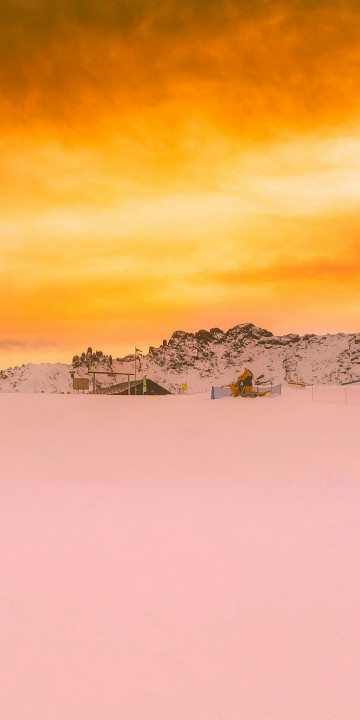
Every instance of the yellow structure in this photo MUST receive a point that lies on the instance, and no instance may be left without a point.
(244, 388)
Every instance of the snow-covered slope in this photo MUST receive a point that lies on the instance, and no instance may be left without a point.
(208, 357)
(37, 378)
(217, 357)
(179, 558)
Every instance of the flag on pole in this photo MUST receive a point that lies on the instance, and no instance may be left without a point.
(183, 387)
(137, 350)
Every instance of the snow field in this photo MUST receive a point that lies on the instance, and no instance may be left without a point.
(349, 394)
(177, 558)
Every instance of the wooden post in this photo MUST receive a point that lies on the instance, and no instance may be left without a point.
(94, 383)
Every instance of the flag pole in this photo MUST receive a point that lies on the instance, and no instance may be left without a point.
(137, 350)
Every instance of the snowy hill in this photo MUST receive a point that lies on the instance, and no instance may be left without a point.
(36, 378)
(207, 357)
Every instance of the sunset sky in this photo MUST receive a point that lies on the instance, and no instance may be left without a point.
(176, 164)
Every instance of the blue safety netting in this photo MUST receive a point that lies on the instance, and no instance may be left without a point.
(269, 389)
(220, 392)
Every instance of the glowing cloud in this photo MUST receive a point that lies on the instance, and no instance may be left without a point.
(176, 164)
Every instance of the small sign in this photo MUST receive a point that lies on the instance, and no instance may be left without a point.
(80, 383)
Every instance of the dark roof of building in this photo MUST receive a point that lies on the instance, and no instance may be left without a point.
(122, 388)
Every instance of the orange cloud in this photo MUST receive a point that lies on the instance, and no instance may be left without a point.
(104, 66)
(177, 163)
(337, 271)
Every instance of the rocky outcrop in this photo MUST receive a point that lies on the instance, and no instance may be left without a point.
(217, 356)
(91, 358)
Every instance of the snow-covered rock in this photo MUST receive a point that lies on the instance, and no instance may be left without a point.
(207, 357)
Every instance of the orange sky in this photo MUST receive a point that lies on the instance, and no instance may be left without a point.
(172, 164)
